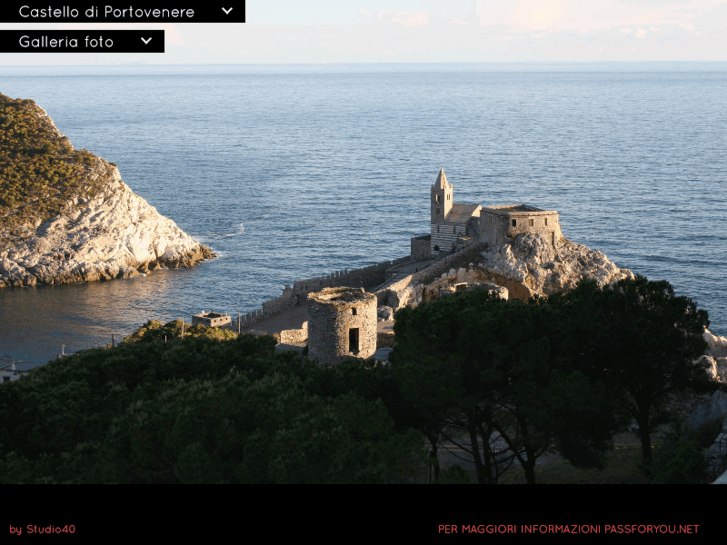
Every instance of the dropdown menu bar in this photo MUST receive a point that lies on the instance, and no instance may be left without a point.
(25, 11)
(82, 41)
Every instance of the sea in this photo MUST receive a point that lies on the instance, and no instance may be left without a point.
(294, 171)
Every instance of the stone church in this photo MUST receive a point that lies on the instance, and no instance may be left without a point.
(455, 226)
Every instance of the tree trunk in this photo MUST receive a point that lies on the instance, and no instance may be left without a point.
(433, 454)
(644, 431)
(529, 469)
(484, 472)
(645, 443)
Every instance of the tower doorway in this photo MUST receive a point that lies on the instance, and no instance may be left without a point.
(353, 338)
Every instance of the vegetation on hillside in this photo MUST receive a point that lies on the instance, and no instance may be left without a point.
(563, 373)
(516, 379)
(199, 409)
(39, 169)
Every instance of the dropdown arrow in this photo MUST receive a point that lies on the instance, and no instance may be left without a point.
(227, 11)
(146, 40)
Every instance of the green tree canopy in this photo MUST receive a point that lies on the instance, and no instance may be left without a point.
(199, 409)
(492, 369)
(639, 336)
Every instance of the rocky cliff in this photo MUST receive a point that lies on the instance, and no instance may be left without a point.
(66, 215)
(532, 265)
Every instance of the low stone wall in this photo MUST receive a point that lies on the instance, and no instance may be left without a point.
(373, 275)
(461, 259)
(396, 296)
(294, 336)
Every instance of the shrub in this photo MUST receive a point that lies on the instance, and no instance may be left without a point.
(680, 463)
(454, 475)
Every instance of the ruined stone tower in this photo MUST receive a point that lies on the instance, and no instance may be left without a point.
(341, 324)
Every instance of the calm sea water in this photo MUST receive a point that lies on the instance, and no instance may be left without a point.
(288, 172)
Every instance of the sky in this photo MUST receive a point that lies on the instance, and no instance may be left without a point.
(421, 31)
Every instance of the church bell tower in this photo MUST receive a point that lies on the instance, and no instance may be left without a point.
(441, 198)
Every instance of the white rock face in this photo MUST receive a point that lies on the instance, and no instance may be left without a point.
(532, 262)
(116, 234)
(717, 345)
(112, 234)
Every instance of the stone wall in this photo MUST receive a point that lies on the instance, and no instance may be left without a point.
(400, 292)
(458, 260)
(210, 319)
(444, 236)
(421, 248)
(294, 336)
(373, 275)
(496, 223)
(332, 315)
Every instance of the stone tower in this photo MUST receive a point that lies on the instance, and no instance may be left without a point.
(441, 198)
(341, 324)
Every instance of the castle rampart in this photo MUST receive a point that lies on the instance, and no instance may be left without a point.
(373, 275)
(500, 223)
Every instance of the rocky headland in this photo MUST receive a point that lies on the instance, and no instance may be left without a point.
(534, 266)
(66, 215)
(528, 265)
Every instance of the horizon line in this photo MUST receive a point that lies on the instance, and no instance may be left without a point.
(592, 61)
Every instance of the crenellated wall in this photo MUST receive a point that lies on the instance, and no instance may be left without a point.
(499, 224)
(373, 275)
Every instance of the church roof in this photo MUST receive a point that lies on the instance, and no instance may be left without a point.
(441, 182)
(461, 213)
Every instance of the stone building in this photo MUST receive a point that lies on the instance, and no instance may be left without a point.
(455, 226)
(341, 324)
(452, 224)
(211, 319)
(499, 223)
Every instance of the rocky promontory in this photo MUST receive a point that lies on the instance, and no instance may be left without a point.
(66, 215)
(530, 265)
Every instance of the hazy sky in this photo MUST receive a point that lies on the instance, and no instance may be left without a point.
(344, 31)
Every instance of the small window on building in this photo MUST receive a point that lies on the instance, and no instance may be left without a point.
(353, 340)
(514, 223)
(6, 379)
(436, 198)
(532, 222)
(353, 311)
(438, 210)
(546, 221)
(437, 228)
